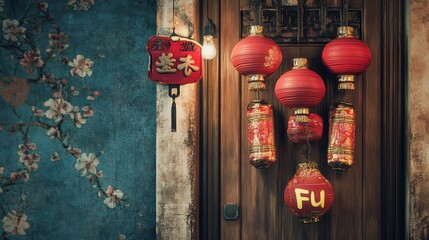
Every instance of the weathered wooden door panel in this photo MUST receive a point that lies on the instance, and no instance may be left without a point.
(259, 193)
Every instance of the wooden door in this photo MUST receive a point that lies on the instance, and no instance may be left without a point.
(361, 193)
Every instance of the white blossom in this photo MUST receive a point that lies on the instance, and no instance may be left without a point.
(113, 197)
(15, 223)
(53, 132)
(81, 4)
(87, 163)
(11, 30)
(57, 108)
(81, 66)
(77, 119)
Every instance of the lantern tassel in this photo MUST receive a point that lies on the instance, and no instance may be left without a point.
(173, 116)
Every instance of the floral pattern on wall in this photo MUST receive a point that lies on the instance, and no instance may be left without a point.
(48, 91)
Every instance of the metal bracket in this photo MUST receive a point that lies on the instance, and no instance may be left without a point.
(231, 211)
(173, 92)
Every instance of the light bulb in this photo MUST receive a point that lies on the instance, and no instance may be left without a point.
(209, 49)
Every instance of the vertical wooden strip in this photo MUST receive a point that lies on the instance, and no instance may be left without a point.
(210, 133)
(393, 137)
(230, 118)
(259, 190)
(347, 184)
(372, 122)
(286, 159)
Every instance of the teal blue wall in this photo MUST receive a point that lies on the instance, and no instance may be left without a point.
(57, 202)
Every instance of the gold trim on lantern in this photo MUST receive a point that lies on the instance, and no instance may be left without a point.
(270, 59)
(256, 30)
(345, 32)
(301, 114)
(342, 120)
(346, 82)
(309, 165)
(300, 63)
(256, 82)
(259, 117)
(261, 148)
(340, 150)
(311, 219)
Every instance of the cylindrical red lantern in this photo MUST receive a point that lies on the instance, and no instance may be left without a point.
(300, 89)
(346, 56)
(260, 134)
(297, 131)
(309, 194)
(341, 136)
(256, 57)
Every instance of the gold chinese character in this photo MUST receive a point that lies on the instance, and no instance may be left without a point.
(165, 64)
(187, 66)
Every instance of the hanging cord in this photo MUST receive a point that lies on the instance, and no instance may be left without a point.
(301, 4)
(174, 22)
(308, 150)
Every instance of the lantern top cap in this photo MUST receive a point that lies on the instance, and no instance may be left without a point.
(345, 31)
(299, 63)
(309, 165)
(256, 30)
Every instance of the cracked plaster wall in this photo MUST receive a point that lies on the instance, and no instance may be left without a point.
(176, 154)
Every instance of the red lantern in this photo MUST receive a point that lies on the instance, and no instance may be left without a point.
(260, 134)
(174, 61)
(346, 56)
(256, 57)
(297, 131)
(300, 88)
(309, 194)
(341, 136)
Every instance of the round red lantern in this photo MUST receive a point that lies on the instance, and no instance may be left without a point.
(341, 140)
(260, 134)
(256, 57)
(309, 194)
(297, 131)
(300, 89)
(346, 56)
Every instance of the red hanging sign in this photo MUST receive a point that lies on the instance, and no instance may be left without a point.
(174, 61)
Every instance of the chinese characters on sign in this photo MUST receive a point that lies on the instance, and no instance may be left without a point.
(174, 62)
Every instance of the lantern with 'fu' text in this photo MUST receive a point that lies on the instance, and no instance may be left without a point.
(300, 132)
(256, 57)
(341, 140)
(309, 194)
(260, 134)
(300, 89)
(346, 56)
(175, 61)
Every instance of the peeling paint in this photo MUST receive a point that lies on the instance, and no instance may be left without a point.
(419, 120)
(177, 154)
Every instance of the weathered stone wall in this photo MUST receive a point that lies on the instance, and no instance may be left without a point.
(419, 119)
(176, 154)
